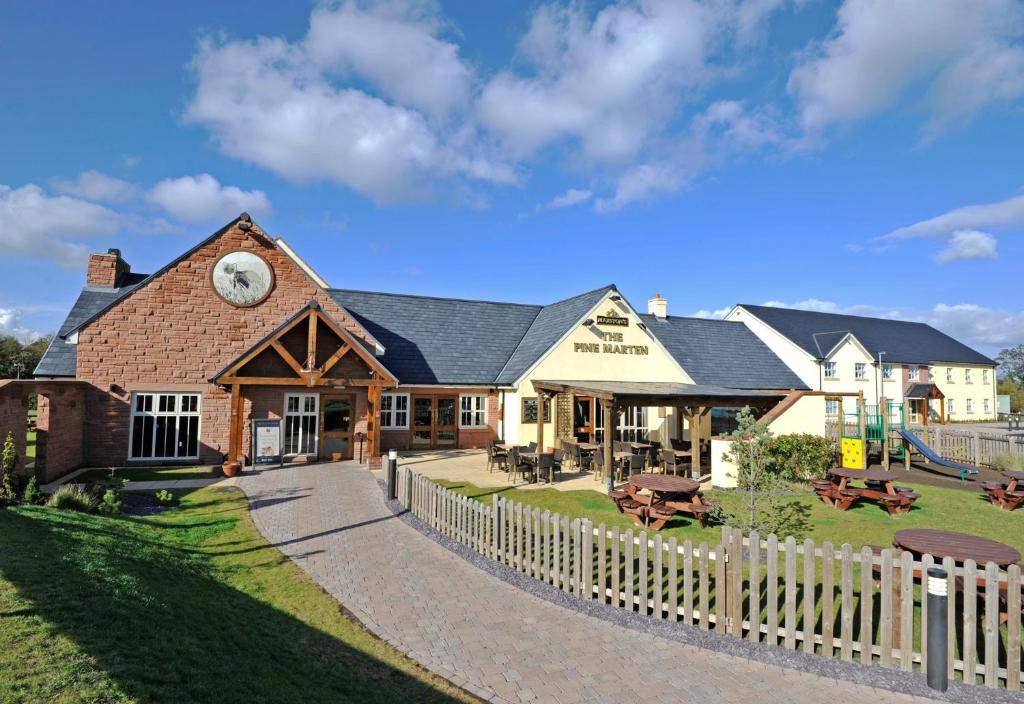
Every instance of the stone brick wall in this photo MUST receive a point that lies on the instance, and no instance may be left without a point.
(468, 438)
(106, 269)
(59, 423)
(175, 333)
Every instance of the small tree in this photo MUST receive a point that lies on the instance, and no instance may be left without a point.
(9, 487)
(766, 509)
(1011, 364)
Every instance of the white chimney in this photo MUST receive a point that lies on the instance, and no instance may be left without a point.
(657, 306)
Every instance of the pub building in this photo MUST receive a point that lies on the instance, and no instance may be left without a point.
(178, 365)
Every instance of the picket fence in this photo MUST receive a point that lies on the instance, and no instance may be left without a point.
(836, 603)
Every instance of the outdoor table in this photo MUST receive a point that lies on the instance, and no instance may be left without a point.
(641, 445)
(1006, 495)
(959, 546)
(589, 446)
(1014, 477)
(843, 496)
(506, 446)
(669, 494)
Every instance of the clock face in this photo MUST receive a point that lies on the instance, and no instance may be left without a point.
(242, 278)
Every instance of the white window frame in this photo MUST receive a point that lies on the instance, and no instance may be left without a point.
(860, 371)
(157, 413)
(967, 377)
(887, 371)
(634, 421)
(477, 410)
(950, 406)
(300, 413)
(987, 405)
(949, 375)
(984, 377)
(970, 405)
(830, 370)
(931, 374)
(832, 403)
(389, 416)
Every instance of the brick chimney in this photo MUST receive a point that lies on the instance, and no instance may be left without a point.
(658, 306)
(107, 270)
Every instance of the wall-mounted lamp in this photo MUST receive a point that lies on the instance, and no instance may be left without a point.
(615, 298)
(588, 322)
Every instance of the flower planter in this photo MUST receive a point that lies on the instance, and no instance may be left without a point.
(231, 469)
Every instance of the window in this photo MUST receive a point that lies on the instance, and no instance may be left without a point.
(950, 406)
(831, 407)
(887, 371)
(984, 376)
(949, 375)
(301, 413)
(631, 425)
(967, 377)
(931, 374)
(530, 410)
(164, 427)
(860, 370)
(987, 404)
(970, 405)
(473, 412)
(830, 370)
(394, 411)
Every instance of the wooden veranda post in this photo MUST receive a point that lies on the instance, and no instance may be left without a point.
(609, 433)
(862, 429)
(235, 436)
(540, 421)
(373, 423)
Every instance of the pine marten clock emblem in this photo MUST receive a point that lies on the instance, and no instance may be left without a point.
(242, 278)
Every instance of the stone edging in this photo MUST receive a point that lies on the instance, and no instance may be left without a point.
(873, 676)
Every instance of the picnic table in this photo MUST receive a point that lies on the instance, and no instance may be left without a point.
(879, 487)
(959, 546)
(668, 495)
(1007, 495)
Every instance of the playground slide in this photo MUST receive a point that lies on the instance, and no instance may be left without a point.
(934, 456)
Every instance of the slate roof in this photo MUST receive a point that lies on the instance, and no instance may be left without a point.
(60, 358)
(722, 353)
(440, 340)
(923, 391)
(902, 341)
(551, 323)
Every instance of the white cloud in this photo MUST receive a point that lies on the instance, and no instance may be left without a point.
(574, 196)
(965, 54)
(716, 314)
(96, 186)
(736, 127)
(34, 223)
(649, 180)
(968, 244)
(394, 46)
(1001, 214)
(202, 198)
(11, 325)
(610, 82)
(280, 105)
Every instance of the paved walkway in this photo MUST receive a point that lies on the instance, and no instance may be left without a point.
(482, 633)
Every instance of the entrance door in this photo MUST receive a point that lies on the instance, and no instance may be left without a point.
(583, 418)
(336, 434)
(434, 421)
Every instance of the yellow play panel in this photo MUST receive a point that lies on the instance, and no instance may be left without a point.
(853, 453)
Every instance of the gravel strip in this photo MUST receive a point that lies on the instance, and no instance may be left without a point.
(867, 675)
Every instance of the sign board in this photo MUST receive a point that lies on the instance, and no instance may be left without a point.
(612, 318)
(266, 441)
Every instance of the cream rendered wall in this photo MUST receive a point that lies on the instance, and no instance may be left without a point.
(959, 390)
(565, 363)
(846, 356)
(791, 354)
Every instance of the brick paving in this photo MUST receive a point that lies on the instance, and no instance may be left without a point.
(482, 633)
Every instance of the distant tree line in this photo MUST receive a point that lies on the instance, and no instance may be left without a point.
(1011, 376)
(19, 359)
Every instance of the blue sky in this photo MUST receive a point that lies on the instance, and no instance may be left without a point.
(862, 156)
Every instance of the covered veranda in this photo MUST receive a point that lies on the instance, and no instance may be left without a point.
(690, 401)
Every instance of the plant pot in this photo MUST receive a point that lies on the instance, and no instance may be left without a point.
(231, 469)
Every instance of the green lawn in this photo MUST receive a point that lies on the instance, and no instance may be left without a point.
(150, 474)
(865, 524)
(30, 445)
(190, 605)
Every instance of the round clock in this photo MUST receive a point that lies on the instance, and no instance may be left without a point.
(242, 278)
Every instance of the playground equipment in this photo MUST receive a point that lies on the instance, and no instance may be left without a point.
(873, 428)
(934, 457)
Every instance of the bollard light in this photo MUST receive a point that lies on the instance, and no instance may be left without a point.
(938, 635)
(392, 476)
(393, 454)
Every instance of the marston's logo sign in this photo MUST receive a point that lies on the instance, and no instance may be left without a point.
(612, 318)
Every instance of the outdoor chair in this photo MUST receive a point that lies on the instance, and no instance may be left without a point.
(678, 444)
(532, 447)
(546, 467)
(496, 457)
(519, 465)
(671, 463)
(559, 458)
(634, 464)
(597, 463)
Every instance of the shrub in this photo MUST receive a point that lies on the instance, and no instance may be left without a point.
(72, 498)
(801, 456)
(32, 494)
(110, 504)
(1008, 461)
(10, 483)
(164, 497)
